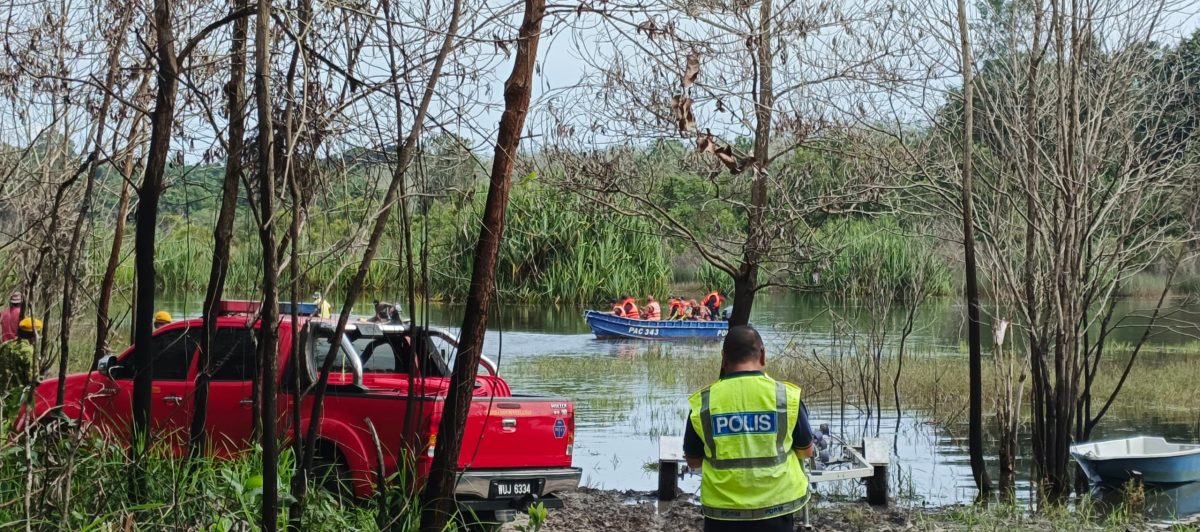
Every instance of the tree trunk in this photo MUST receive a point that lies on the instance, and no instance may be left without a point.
(269, 328)
(745, 283)
(161, 120)
(437, 503)
(975, 429)
(235, 92)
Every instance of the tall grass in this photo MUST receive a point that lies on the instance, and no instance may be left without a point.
(556, 248)
(62, 480)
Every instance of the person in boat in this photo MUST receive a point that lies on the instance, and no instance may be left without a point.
(630, 308)
(616, 307)
(673, 305)
(653, 310)
(693, 310)
(713, 301)
(703, 314)
(748, 434)
(679, 311)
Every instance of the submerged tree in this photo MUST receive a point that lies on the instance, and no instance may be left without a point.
(1085, 189)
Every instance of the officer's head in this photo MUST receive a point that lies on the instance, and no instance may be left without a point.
(743, 345)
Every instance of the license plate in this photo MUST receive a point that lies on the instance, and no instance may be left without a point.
(501, 489)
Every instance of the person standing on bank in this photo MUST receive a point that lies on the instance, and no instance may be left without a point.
(11, 316)
(748, 434)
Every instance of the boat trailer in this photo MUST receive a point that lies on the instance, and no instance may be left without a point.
(869, 461)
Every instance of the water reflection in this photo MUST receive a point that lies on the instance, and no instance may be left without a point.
(1161, 504)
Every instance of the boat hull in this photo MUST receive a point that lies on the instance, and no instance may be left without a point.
(606, 326)
(1104, 464)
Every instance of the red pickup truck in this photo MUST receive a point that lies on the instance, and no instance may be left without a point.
(516, 451)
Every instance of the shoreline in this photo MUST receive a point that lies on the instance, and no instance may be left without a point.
(592, 510)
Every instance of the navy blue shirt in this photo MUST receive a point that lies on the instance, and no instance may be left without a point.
(693, 445)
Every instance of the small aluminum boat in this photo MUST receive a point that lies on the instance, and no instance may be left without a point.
(1159, 462)
(606, 326)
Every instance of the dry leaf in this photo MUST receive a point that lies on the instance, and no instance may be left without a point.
(681, 111)
(693, 70)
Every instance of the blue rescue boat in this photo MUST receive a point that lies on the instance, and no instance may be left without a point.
(1157, 461)
(607, 326)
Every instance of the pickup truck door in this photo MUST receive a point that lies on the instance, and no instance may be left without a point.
(171, 394)
(229, 423)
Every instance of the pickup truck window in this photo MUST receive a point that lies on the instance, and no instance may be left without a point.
(234, 355)
(382, 357)
(173, 352)
(384, 354)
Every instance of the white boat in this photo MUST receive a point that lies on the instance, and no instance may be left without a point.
(1156, 460)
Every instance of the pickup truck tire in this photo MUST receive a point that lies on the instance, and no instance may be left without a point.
(331, 472)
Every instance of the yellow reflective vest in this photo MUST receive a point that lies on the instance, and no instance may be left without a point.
(750, 471)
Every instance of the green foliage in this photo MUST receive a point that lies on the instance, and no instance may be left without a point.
(873, 257)
(556, 248)
(16, 364)
(54, 478)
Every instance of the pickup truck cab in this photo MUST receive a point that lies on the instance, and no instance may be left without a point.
(517, 449)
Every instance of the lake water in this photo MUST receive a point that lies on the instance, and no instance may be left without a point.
(629, 393)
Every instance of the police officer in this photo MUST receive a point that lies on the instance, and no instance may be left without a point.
(748, 434)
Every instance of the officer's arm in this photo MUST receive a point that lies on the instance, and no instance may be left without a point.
(693, 446)
(802, 440)
(804, 453)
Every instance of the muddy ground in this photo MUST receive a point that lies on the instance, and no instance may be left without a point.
(589, 510)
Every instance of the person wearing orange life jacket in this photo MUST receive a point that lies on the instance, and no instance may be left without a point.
(672, 307)
(713, 301)
(629, 305)
(616, 308)
(653, 310)
(692, 309)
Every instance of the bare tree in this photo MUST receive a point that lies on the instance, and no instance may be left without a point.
(751, 84)
(235, 93)
(971, 281)
(1078, 201)
(437, 502)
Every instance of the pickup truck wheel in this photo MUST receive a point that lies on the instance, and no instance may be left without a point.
(333, 475)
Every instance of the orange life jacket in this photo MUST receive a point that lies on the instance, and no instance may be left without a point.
(712, 299)
(631, 309)
(653, 311)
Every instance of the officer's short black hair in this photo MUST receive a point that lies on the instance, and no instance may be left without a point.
(742, 343)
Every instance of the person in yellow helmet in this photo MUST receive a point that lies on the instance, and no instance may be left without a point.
(161, 318)
(748, 434)
(16, 356)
